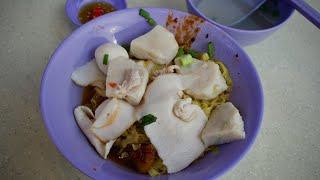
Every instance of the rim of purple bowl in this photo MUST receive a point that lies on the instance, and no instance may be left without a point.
(190, 2)
(225, 169)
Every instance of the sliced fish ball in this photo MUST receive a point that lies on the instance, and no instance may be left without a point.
(113, 51)
(203, 80)
(177, 141)
(158, 45)
(84, 118)
(87, 74)
(224, 125)
(126, 80)
(113, 117)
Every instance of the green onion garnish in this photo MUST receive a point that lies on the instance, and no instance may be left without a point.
(144, 13)
(193, 53)
(105, 59)
(147, 16)
(152, 22)
(147, 119)
(186, 60)
(180, 52)
(211, 50)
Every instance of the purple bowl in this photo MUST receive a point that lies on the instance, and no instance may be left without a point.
(73, 6)
(247, 37)
(59, 96)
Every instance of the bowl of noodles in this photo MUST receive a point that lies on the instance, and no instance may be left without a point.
(180, 100)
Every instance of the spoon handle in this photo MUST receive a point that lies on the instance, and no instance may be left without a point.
(306, 10)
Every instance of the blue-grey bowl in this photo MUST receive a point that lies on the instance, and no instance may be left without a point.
(247, 37)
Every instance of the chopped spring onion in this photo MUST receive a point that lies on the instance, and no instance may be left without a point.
(193, 53)
(180, 52)
(144, 13)
(152, 22)
(147, 119)
(147, 16)
(186, 60)
(105, 59)
(211, 50)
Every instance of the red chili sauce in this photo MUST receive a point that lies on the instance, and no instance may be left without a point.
(93, 10)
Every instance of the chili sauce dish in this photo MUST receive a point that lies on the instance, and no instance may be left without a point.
(83, 11)
(151, 92)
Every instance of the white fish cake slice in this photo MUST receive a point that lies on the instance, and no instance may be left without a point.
(113, 117)
(177, 142)
(203, 80)
(87, 74)
(126, 80)
(84, 118)
(224, 125)
(113, 51)
(158, 45)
